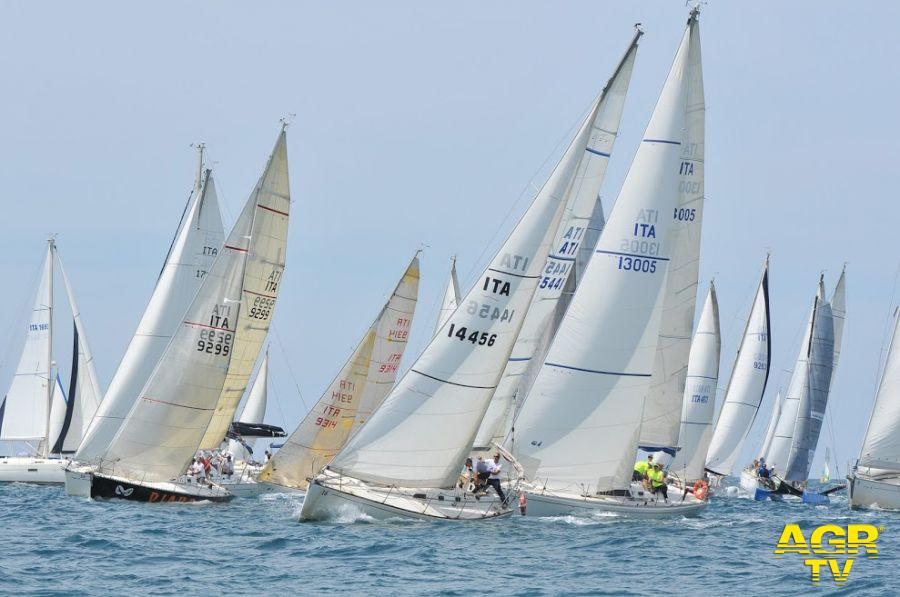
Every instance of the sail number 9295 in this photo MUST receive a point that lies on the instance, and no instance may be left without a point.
(214, 342)
(475, 337)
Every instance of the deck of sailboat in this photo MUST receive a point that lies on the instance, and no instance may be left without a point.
(32, 469)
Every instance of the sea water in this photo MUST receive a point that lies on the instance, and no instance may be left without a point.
(55, 544)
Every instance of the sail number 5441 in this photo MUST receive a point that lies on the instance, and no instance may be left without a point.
(475, 337)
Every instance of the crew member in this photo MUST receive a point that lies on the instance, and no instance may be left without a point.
(658, 481)
(494, 479)
(641, 468)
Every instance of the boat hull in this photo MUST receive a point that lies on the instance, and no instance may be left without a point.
(558, 504)
(867, 492)
(119, 488)
(329, 501)
(78, 481)
(26, 469)
(750, 483)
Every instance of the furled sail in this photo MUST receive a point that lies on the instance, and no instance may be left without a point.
(195, 246)
(746, 386)
(587, 157)
(225, 323)
(578, 428)
(881, 444)
(662, 409)
(451, 297)
(700, 392)
(360, 386)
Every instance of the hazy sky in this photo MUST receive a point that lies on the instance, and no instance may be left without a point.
(419, 123)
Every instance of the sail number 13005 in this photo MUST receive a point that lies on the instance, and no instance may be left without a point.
(475, 337)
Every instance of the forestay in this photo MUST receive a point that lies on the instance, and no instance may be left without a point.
(578, 427)
(587, 158)
(360, 386)
(700, 392)
(881, 445)
(195, 246)
(746, 386)
(164, 427)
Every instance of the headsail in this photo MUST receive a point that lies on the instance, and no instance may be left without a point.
(700, 393)
(746, 386)
(578, 428)
(195, 246)
(773, 421)
(363, 381)
(881, 444)
(451, 297)
(254, 410)
(587, 157)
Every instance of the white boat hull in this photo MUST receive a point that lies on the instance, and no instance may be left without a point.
(329, 498)
(638, 505)
(868, 492)
(27, 469)
(78, 481)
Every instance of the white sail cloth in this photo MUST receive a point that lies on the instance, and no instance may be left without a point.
(881, 444)
(254, 410)
(226, 322)
(451, 297)
(579, 425)
(700, 393)
(196, 244)
(588, 157)
(360, 386)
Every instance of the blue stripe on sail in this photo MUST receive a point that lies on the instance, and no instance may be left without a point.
(666, 141)
(620, 373)
(561, 258)
(517, 359)
(632, 255)
(704, 377)
(595, 152)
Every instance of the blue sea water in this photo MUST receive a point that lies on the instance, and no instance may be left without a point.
(55, 544)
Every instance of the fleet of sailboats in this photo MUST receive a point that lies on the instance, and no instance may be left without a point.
(573, 351)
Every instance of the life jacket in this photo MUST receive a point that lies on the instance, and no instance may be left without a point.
(656, 478)
(642, 466)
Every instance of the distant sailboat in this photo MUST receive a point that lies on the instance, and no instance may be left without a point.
(35, 410)
(588, 410)
(223, 329)
(746, 386)
(359, 388)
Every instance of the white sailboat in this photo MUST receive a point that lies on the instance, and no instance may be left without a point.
(36, 410)
(194, 247)
(580, 426)
(451, 297)
(223, 329)
(359, 388)
(746, 386)
(875, 480)
(573, 244)
(254, 411)
(796, 433)
(699, 402)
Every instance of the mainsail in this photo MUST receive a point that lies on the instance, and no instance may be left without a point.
(881, 445)
(360, 386)
(587, 157)
(746, 386)
(700, 392)
(225, 323)
(578, 428)
(451, 297)
(195, 246)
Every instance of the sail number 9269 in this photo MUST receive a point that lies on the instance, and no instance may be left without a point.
(475, 337)
(214, 342)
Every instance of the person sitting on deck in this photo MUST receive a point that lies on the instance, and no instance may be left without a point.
(494, 479)
(641, 468)
(658, 481)
(228, 467)
(467, 475)
(762, 471)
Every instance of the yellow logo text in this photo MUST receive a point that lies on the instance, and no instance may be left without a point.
(836, 546)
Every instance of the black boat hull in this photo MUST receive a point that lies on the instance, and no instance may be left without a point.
(102, 487)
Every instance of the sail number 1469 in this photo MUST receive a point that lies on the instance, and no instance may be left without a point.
(475, 337)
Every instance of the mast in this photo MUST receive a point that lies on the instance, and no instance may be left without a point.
(198, 177)
(51, 248)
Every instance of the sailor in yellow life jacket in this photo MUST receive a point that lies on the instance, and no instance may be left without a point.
(641, 467)
(658, 481)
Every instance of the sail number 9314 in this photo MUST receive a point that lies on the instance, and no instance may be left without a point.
(475, 337)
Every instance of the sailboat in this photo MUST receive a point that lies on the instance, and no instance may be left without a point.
(874, 481)
(251, 416)
(349, 400)
(604, 388)
(407, 459)
(699, 400)
(746, 387)
(205, 362)
(36, 409)
(573, 244)
(795, 434)
(451, 297)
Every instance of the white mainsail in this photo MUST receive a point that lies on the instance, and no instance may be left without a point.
(195, 246)
(363, 381)
(700, 392)
(26, 408)
(254, 410)
(839, 314)
(588, 157)
(746, 386)
(662, 408)
(451, 297)
(578, 428)
(225, 323)
(881, 444)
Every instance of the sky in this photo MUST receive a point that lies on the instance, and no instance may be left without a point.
(430, 125)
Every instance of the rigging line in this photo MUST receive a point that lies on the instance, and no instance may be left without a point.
(289, 368)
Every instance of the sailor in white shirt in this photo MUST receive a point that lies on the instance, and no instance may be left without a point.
(496, 469)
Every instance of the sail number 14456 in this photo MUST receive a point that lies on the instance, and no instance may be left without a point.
(475, 337)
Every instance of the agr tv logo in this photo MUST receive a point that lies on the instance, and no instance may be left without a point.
(830, 542)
